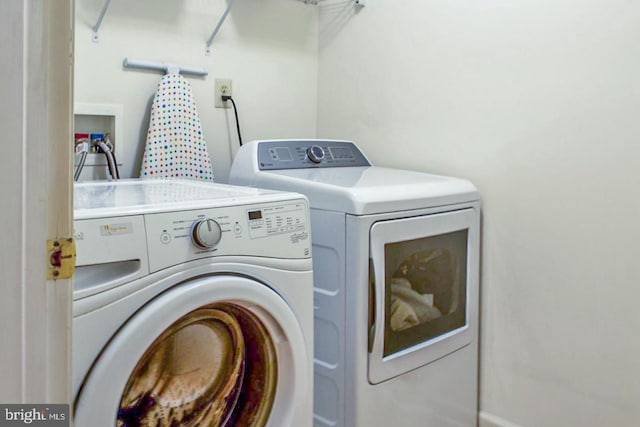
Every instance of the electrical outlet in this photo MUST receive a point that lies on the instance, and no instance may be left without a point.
(222, 87)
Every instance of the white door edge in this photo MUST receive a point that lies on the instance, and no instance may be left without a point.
(36, 119)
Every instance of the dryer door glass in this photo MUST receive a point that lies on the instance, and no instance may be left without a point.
(213, 367)
(424, 284)
(425, 289)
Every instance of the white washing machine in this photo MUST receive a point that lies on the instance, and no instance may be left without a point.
(396, 257)
(193, 306)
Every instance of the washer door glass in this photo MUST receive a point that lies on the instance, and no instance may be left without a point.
(216, 351)
(214, 366)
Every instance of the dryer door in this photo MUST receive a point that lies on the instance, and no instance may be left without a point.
(216, 351)
(424, 290)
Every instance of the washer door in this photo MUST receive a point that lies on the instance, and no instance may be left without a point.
(216, 351)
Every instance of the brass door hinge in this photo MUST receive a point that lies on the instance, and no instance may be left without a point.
(61, 255)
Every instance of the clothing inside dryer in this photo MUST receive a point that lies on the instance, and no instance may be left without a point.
(425, 289)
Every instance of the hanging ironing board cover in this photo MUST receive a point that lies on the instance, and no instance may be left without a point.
(175, 143)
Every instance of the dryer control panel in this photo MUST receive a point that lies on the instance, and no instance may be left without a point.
(275, 230)
(300, 154)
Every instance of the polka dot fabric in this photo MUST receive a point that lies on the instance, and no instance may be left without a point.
(175, 143)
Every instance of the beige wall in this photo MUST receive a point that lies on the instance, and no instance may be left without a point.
(538, 103)
(267, 47)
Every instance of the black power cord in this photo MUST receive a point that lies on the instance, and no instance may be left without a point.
(226, 98)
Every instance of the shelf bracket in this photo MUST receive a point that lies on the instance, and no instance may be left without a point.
(95, 33)
(207, 48)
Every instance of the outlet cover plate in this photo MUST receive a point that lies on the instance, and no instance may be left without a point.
(222, 87)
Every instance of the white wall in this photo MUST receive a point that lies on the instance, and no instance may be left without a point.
(538, 103)
(267, 47)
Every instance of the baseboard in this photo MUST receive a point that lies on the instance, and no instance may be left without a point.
(490, 420)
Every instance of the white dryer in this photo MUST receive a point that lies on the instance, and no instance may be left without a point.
(192, 306)
(396, 257)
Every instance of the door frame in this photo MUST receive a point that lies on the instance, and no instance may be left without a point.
(36, 79)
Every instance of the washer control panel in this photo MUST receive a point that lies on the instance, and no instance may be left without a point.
(300, 154)
(276, 230)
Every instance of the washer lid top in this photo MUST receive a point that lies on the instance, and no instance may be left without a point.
(134, 196)
(369, 190)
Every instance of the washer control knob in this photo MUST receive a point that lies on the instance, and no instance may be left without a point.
(315, 153)
(205, 233)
